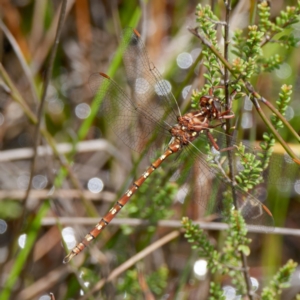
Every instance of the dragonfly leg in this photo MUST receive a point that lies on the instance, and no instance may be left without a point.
(215, 145)
(211, 139)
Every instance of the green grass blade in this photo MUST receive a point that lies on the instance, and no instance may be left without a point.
(86, 124)
(24, 253)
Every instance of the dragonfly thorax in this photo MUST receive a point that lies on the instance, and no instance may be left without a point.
(189, 127)
(194, 121)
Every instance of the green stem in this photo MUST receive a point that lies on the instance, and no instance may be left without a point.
(274, 131)
(22, 256)
(86, 124)
(281, 117)
(256, 96)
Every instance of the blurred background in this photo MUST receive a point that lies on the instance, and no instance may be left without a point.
(91, 167)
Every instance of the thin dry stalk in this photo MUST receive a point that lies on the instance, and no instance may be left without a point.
(46, 44)
(49, 221)
(43, 99)
(21, 58)
(133, 260)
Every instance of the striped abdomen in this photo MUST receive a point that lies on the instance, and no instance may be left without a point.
(173, 147)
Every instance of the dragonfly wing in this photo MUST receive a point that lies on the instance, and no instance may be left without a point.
(254, 212)
(281, 173)
(149, 89)
(209, 184)
(150, 109)
(126, 118)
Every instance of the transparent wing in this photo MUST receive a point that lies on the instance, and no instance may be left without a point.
(203, 166)
(281, 174)
(281, 177)
(130, 122)
(150, 109)
(204, 177)
(146, 82)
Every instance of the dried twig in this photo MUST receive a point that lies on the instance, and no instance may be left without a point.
(49, 221)
(44, 194)
(21, 58)
(36, 136)
(134, 259)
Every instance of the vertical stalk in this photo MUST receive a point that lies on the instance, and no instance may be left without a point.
(36, 136)
(228, 104)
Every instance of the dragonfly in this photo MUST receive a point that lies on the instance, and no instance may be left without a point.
(152, 110)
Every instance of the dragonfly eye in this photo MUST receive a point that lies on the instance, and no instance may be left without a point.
(217, 105)
(203, 101)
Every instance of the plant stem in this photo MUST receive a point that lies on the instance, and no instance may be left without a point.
(249, 88)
